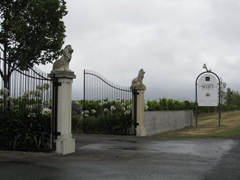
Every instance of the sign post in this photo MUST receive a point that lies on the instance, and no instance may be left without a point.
(207, 88)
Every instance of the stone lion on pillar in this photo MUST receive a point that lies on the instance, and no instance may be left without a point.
(62, 64)
(137, 82)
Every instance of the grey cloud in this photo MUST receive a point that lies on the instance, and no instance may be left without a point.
(170, 40)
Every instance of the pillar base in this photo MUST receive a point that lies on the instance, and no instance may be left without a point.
(141, 131)
(65, 146)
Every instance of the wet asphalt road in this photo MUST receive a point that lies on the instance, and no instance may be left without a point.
(104, 157)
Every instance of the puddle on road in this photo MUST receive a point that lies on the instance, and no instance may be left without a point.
(114, 146)
(213, 148)
(123, 140)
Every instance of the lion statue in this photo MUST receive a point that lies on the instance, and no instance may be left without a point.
(137, 82)
(62, 64)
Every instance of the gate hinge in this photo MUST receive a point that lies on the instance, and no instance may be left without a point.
(56, 133)
(57, 84)
(135, 124)
(136, 93)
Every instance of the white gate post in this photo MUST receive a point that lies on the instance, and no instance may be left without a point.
(140, 131)
(139, 88)
(65, 144)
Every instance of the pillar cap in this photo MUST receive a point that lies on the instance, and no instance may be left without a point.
(62, 74)
(138, 87)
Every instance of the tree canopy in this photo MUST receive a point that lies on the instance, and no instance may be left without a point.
(31, 32)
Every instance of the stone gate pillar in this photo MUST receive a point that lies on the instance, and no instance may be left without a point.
(63, 78)
(138, 89)
(65, 144)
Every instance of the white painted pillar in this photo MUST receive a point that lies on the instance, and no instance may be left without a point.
(139, 88)
(140, 114)
(65, 144)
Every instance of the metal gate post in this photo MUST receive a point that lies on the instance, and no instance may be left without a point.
(54, 132)
(135, 124)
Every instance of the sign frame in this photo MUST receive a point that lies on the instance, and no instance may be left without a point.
(210, 86)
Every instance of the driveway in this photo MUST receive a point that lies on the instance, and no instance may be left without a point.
(104, 157)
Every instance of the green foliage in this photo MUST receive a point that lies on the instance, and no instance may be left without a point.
(77, 123)
(163, 104)
(229, 96)
(223, 86)
(27, 123)
(232, 100)
(105, 117)
(153, 105)
(31, 31)
(175, 105)
(169, 105)
(188, 105)
(179, 105)
(21, 131)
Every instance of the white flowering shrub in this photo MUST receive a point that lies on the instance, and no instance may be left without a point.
(127, 112)
(93, 111)
(46, 112)
(145, 106)
(29, 117)
(103, 116)
(4, 92)
(32, 115)
(105, 110)
(113, 108)
(85, 113)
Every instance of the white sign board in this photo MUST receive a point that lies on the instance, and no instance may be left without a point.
(208, 90)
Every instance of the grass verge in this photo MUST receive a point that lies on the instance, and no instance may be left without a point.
(208, 127)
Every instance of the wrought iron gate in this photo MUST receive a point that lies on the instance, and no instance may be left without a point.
(107, 106)
(26, 122)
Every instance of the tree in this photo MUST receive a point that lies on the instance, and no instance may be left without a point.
(163, 104)
(229, 97)
(223, 86)
(31, 32)
(236, 99)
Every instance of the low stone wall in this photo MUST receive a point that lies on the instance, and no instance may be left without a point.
(157, 122)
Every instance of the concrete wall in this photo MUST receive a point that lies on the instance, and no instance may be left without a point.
(157, 122)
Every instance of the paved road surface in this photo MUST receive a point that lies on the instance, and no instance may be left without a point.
(104, 157)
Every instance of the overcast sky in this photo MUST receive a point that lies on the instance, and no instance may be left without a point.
(169, 39)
